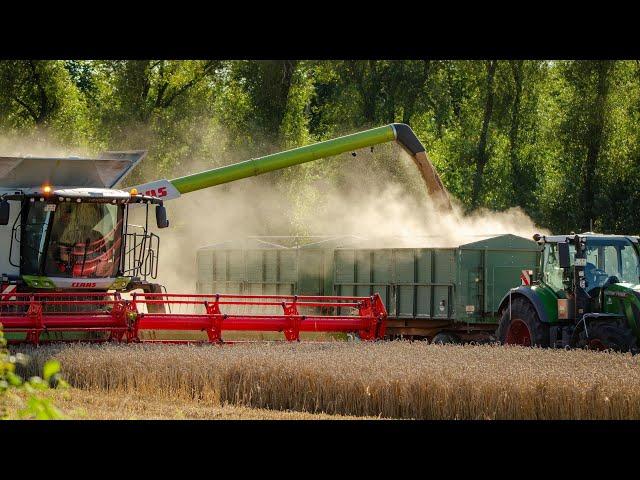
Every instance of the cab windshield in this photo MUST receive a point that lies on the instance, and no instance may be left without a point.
(610, 258)
(72, 240)
(615, 258)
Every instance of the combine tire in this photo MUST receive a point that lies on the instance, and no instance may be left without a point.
(523, 327)
(154, 307)
(443, 338)
(608, 336)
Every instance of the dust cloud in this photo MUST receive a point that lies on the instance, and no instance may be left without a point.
(38, 144)
(385, 208)
(381, 210)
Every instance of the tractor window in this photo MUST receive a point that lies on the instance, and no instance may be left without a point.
(594, 257)
(552, 271)
(611, 261)
(629, 261)
(607, 258)
(602, 262)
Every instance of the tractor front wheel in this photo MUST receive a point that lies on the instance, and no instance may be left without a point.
(522, 326)
(608, 336)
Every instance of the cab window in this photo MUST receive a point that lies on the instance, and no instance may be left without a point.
(552, 272)
(610, 258)
(72, 239)
(629, 263)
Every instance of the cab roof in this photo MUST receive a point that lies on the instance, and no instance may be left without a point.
(589, 235)
(106, 171)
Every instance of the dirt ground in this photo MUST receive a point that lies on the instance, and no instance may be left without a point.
(77, 404)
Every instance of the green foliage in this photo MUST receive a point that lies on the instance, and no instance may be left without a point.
(37, 406)
(561, 139)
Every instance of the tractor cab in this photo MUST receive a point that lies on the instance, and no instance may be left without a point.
(603, 260)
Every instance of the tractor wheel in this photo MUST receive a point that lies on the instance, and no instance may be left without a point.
(608, 336)
(443, 338)
(523, 326)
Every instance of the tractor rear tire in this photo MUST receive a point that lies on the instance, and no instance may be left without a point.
(608, 336)
(523, 326)
(444, 338)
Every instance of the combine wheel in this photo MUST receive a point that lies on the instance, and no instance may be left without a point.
(443, 338)
(608, 336)
(154, 307)
(523, 326)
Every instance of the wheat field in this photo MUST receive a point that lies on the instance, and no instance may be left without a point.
(396, 379)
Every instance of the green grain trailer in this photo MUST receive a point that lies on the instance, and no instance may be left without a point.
(441, 292)
(270, 265)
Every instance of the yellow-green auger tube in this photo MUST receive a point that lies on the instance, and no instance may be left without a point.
(399, 132)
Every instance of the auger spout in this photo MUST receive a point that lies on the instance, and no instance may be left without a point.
(401, 133)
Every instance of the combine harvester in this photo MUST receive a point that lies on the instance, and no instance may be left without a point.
(74, 269)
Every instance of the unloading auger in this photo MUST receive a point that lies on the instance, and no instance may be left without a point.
(74, 268)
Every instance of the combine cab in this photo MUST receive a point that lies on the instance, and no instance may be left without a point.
(74, 268)
(65, 226)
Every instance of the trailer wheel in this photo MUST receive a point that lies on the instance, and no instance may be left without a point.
(523, 326)
(608, 336)
(443, 338)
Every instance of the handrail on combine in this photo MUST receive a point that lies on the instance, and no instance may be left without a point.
(35, 314)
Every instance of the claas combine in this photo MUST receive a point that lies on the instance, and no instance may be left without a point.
(75, 269)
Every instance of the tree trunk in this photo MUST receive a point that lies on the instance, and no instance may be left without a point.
(43, 103)
(454, 94)
(595, 135)
(288, 69)
(516, 168)
(391, 108)
(416, 92)
(270, 85)
(481, 156)
(135, 87)
(369, 88)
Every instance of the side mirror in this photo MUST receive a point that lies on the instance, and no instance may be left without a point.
(563, 254)
(161, 216)
(5, 212)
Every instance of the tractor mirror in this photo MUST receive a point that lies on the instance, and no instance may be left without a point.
(563, 254)
(161, 216)
(5, 212)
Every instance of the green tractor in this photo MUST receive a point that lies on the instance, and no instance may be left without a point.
(585, 295)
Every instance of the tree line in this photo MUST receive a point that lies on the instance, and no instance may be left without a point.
(560, 139)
